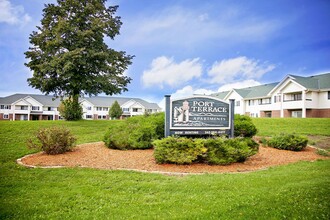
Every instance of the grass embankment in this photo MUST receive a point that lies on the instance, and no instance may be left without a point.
(296, 191)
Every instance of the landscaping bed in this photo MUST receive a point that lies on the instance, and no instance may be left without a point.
(97, 155)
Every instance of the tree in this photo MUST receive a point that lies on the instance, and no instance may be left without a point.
(115, 110)
(69, 56)
(70, 110)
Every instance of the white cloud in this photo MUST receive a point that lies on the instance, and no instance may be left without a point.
(185, 27)
(165, 71)
(12, 14)
(239, 85)
(227, 71)
(186, 92)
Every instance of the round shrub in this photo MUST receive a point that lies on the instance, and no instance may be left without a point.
(178, 150)
(54, 140)
(288, 142)
(135, 133)
(225, 151)
(243, 126)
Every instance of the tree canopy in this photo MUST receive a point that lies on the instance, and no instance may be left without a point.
(69, 57)
(115, 110)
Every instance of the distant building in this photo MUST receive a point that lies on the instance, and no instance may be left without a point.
(294, 96)
(42, 107)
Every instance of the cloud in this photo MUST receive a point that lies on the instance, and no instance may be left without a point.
(186, 92)
(11, 14)
(165, 71)
(187, 26)
(239, 85)
(241, 68)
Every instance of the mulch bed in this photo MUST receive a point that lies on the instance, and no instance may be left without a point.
(97, 155)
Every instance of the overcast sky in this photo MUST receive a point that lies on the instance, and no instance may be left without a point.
(185, 47)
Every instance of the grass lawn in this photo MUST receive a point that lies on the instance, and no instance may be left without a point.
(295, 191)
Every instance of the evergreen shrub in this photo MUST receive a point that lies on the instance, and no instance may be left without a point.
(288, 142)
(53, 140)
(178, 150)
(136, 132)
(181, 150)
(243, 126)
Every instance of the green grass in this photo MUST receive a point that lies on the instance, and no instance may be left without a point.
(296, 191)
(305, 126)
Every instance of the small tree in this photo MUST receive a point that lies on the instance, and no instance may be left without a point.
(115, 110)
(70, 110)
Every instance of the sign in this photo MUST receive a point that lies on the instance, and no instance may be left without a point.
(198, 115)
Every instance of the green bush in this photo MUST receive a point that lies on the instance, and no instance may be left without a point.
(54, 140)
(136, 132)
(225, 151)
(178, 150)
(243, 126)
(288, 142)
(213, 150)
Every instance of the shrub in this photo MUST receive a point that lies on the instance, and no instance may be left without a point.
(243, 126)
(136, 132)
(179, 150)
(288, 142)
(213, 150)
(71, 110)
(54, 140)
(225, 151)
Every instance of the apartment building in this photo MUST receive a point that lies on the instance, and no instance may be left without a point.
(294, 96)
(42, 107)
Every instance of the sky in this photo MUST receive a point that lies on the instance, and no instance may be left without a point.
(186, 47)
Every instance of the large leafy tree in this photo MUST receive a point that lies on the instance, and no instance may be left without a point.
(115, 110)
(69, 56)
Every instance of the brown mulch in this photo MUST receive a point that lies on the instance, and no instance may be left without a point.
(97, 155)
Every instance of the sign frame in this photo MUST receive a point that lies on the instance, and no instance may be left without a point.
(197, 130)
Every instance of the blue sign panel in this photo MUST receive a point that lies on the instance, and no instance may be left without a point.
(199, 112)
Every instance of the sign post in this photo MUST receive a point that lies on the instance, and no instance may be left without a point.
(199, 115)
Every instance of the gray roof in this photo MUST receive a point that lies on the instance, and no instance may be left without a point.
(314, 82)
(259, 91)
(43, 99)
(103, 101)
(99, 101)
(220, 95)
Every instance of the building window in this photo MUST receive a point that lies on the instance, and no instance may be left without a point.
(297, 97)
(328, 95)
(50, 109)
(277, 98)
(98, 108)
(237, 103)
(24, 107)
(35, 108)
(125, 109)
(137, 110)
(89, 116)
(89, 108)
(105, 109)
(268, 114)
(264, 101)
(5, 116)
(5, 106)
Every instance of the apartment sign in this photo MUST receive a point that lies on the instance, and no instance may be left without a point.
(198, 115)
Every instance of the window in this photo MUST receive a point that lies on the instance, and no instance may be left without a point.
(35, 108)
(297, 97)
(264, 101)
(105, 109)
(98, 108)
(125, 109)
(137, 110)
(5, 107)
(51, 109)
(251, 102)
(89, 116)
(24, 107)
(5, 116)
(328, 95)
(277, 98)
(237, 103)
(89, 108)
